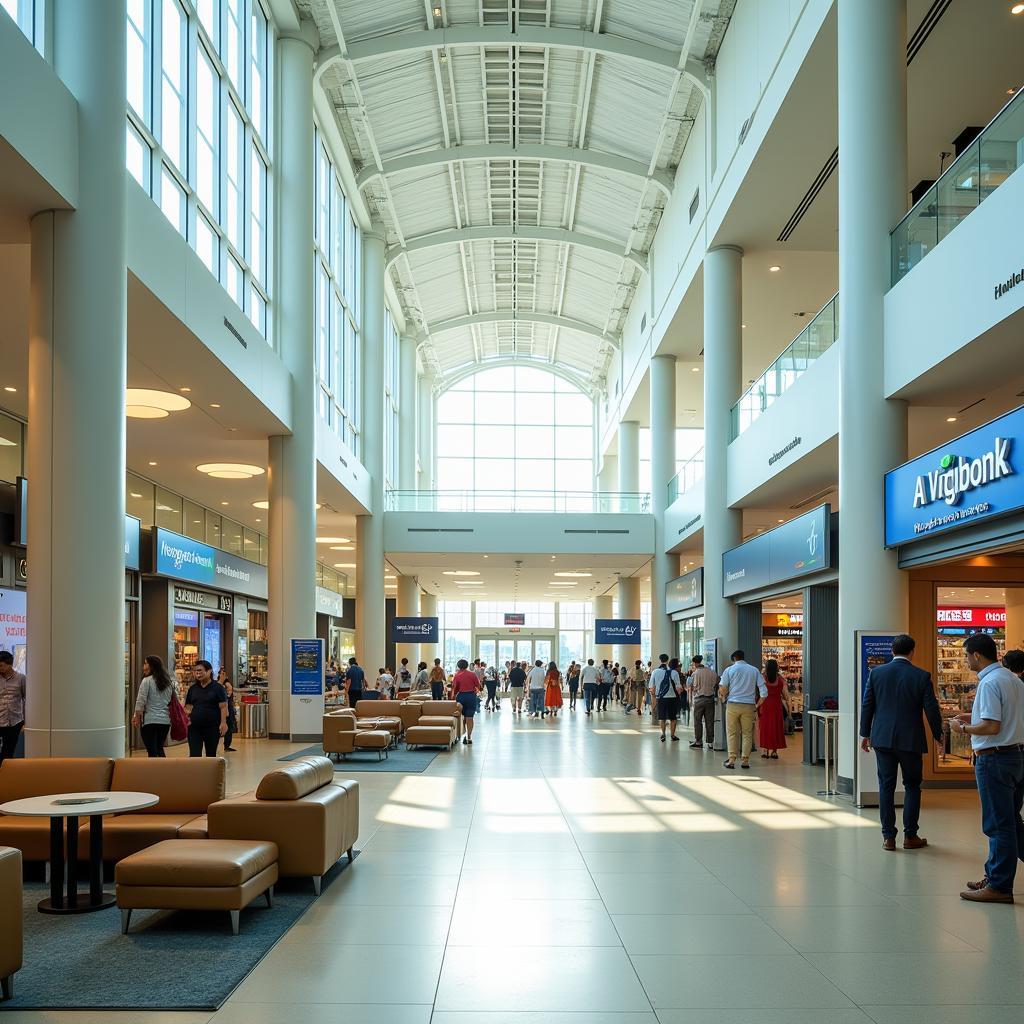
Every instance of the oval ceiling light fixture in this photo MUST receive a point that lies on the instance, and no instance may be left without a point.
(147, 404)
(573, 574)
(231, 470)
(459, 572)
(333, 540)
(343, 547)
(344, 565)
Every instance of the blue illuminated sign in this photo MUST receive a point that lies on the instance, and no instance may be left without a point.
(307, 668)
(968, 480)
(183, 558)
(624, 632)
(414, 630)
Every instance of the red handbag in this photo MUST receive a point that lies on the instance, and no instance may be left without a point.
(179, 720)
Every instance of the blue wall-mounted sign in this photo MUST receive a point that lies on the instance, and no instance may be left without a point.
(183, 558)
(187, 620)
(968, 480)
(132, 533)
(685, 592)
(797, 548)
(624, 632)
(414, 630)
(307, 668)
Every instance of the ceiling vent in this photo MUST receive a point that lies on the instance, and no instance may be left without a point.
(925, 29)
(820, 180)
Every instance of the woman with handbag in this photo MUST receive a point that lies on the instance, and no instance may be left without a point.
(152, 706)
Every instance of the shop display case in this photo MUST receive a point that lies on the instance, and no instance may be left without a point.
(257, 668)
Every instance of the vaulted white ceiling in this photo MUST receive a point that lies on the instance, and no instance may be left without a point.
(520, 154)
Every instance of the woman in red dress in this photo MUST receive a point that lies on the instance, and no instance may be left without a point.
(771, 725)
(552, 690)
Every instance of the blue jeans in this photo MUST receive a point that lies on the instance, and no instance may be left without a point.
(1001, 789)
(911, 765)
(536, 701)
(589, 696)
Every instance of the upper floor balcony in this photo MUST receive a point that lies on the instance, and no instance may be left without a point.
(689, 473)
(584, 502)
(975, 174)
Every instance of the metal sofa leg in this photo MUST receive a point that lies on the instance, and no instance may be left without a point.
(318, 881)
(126, 919)
(351, 855)
(7, 987)
(269, 896)
(235, 915)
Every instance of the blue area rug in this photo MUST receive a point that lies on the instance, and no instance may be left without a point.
(409, 761)
(169, 960)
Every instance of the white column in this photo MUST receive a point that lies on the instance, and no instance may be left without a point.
(370, 646)
(629, 456)
(629, 608)
(602, 610)
(723, 351)
(407, 602)
(872, 38)
(663, 468)
(425, 418)
(428, 608)
(76, 397)
(291, 474)
(407, 414)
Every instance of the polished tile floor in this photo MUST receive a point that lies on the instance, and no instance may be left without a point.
(581, 871)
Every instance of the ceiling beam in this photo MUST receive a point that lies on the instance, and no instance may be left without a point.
(508, 316)
(502, 151)
(525, 233)
(503, 36)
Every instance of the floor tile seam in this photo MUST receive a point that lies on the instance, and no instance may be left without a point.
(590, 875)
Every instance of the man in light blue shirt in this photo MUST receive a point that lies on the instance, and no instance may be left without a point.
(741, 689)
(996, 728)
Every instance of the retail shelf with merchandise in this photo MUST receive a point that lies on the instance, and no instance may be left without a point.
(976, 173)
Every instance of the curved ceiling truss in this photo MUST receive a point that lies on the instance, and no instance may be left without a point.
(661, 179)
(518, 233)
(549, 130)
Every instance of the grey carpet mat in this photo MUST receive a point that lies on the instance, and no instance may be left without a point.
(409, 761)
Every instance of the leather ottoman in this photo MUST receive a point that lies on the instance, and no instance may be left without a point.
(373, 739)
(196, 874)
(429, 736)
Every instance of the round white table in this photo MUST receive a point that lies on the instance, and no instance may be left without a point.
(70, 807)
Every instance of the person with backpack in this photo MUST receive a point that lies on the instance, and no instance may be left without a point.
(491, 683)
(404, 675)
(667, 687)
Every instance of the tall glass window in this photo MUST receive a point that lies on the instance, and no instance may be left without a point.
(515, 428)
(24, 14)
(689, 441)
(336, 322)
(198, 132)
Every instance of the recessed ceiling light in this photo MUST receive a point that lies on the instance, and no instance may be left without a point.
(185, 391)
(259, 520)
(261, 504)
(1017, 9)
(469, 583)
(391, 577)
(951, 419)
(694, 369)
(147, 404)
(152, 463)
(744, 326)
(459, 572)
(573, 573)
(9, 388)
(223, 502)
(781, 520)
(344, 565)
(230, 470)
(332, 540)
(343, 547)
(215, 405)
(774, 269)
(135, 494)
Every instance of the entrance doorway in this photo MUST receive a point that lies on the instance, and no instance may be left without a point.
(496, 650)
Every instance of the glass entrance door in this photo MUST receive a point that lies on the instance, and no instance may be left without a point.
(498, 650)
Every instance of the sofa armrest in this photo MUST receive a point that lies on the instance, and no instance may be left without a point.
(11, 924)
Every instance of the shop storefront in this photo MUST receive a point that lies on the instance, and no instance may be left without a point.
(784, 582)
(335, 625)
(956, 517)
(684, 603)
(203, 603)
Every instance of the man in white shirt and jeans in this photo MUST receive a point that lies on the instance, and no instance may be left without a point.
(741, 689)
(589, 678)
(537, 684)
(996, 728)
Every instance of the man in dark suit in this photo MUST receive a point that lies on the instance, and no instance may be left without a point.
(895, 698)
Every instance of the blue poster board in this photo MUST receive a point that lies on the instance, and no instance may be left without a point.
(624, 632)
(414, 629)
(969, 480)
(306, 666)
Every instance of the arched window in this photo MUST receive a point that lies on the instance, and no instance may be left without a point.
(515, 428)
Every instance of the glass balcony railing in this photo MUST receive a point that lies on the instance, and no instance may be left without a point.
(975, 174)
(808, 346)
(518, 501)
(689, 473)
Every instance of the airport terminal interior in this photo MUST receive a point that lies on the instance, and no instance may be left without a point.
(388, 386)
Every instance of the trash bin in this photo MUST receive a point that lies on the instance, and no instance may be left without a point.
(254, 721)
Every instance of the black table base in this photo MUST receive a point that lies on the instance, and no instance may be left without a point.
(65, 900)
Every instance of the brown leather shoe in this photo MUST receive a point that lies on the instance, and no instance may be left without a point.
(986, 895)
(889, 844)
(980, 884)
(914, 842)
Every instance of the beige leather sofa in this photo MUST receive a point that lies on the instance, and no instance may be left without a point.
(186, 787)
(25, 777)
(10, 919)
(300, 806)
(341, 737)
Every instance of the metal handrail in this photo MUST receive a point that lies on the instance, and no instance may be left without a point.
(689, 473)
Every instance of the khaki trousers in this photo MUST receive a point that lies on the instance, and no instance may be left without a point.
(739, 722)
